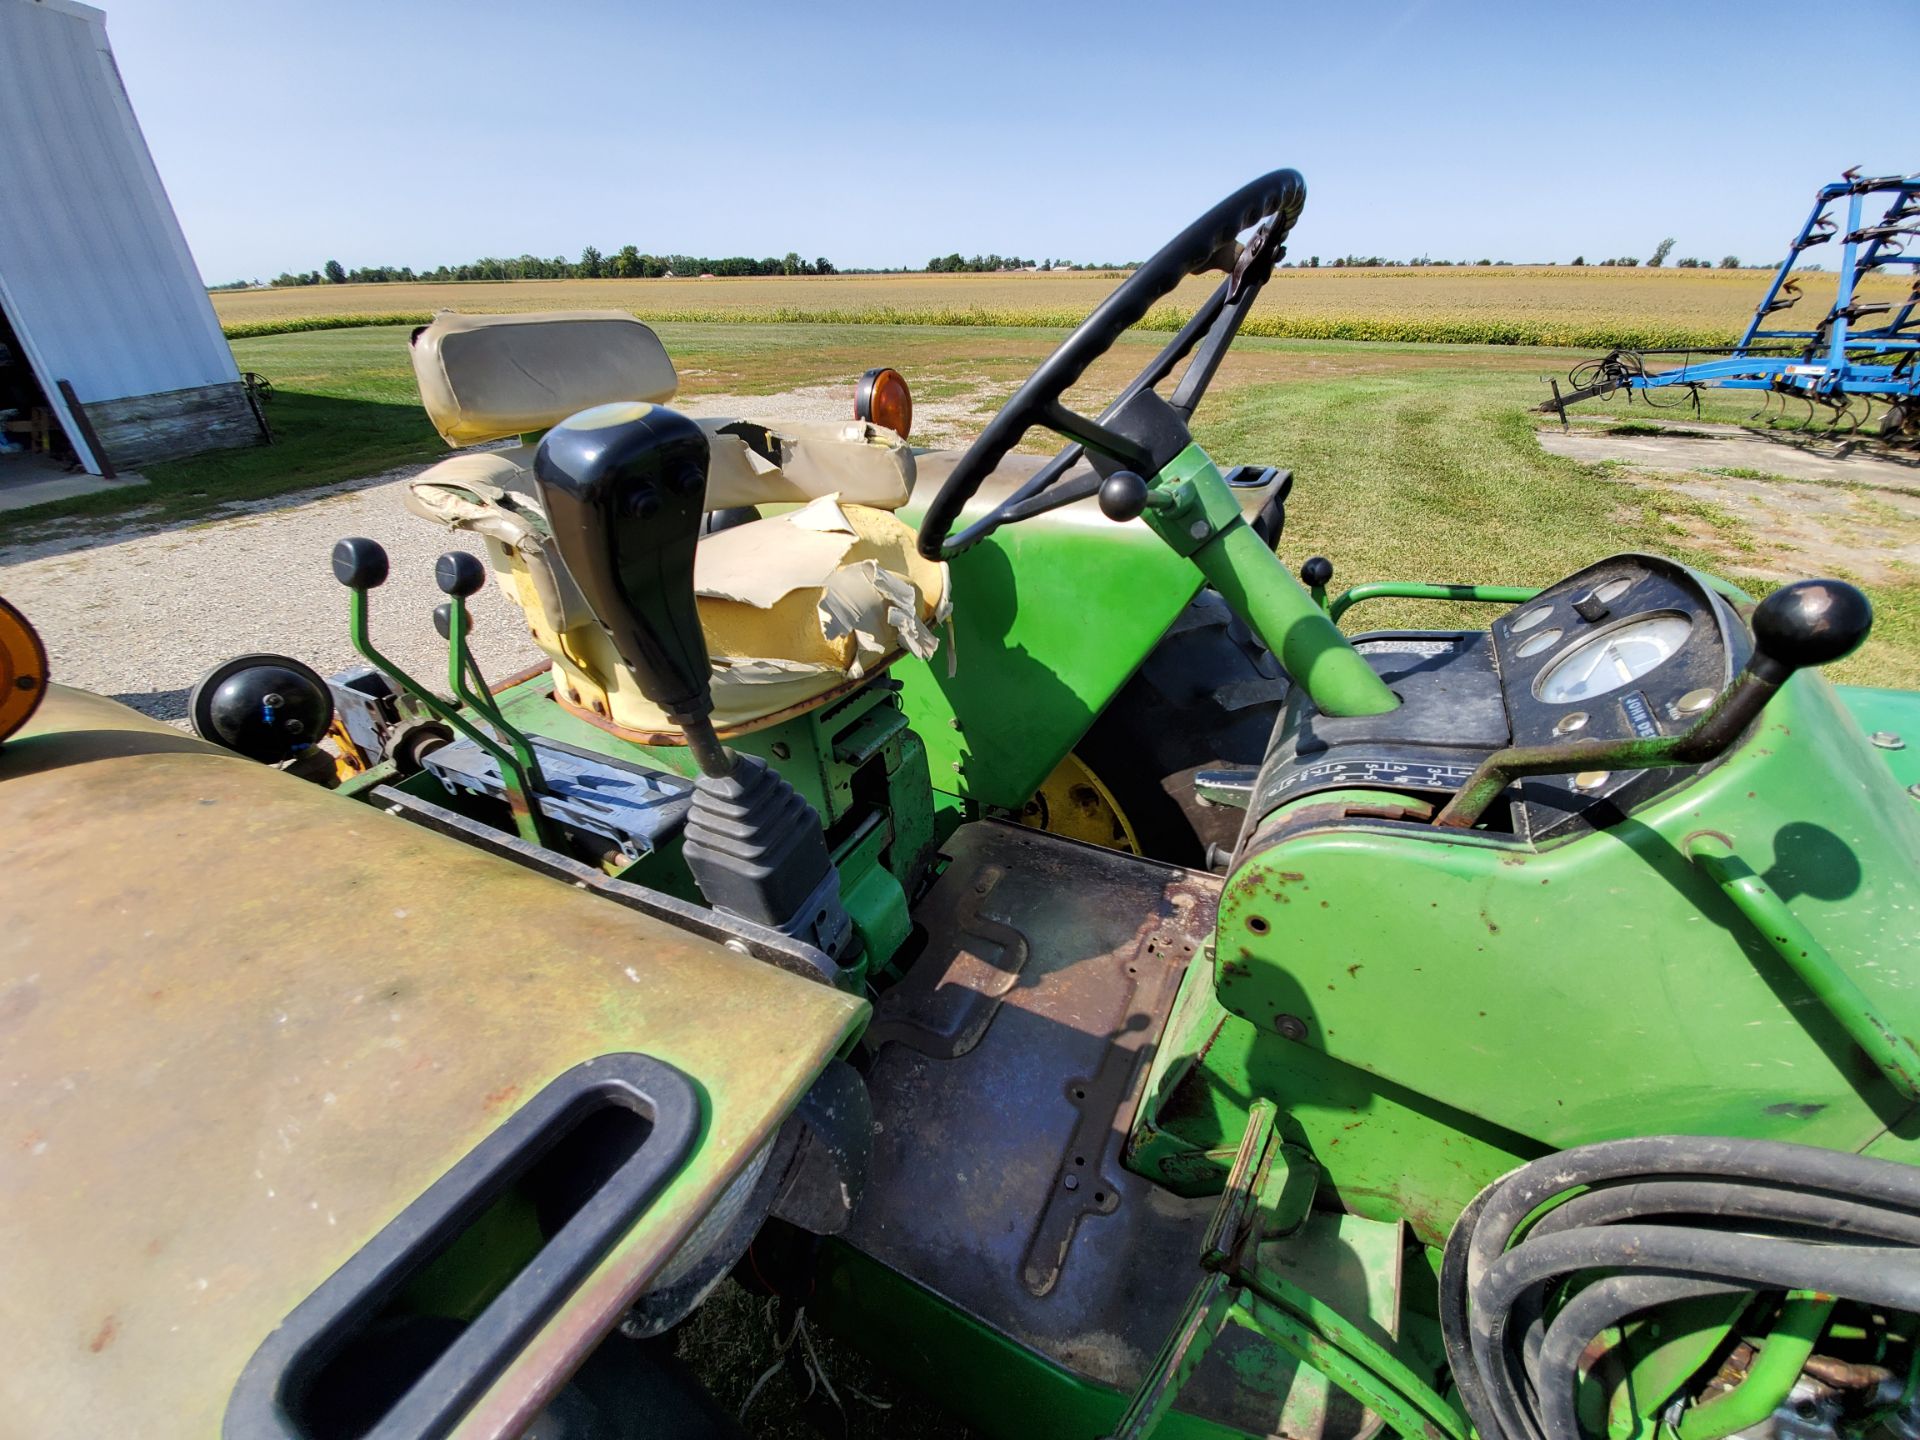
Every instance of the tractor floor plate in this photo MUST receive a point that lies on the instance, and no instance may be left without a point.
(1008, 1066)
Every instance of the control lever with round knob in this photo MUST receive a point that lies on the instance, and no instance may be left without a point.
(1316, 573)
(1807, 623)
(460, 574)
(1124, 496)
(361, 565)
(1810, 622)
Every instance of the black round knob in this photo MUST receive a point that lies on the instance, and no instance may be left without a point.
(1317, 572)
(459, 572)
(443, 620)
(359, 563)
(1123, 496)
(1810, 622)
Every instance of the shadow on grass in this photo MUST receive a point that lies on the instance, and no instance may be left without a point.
(319, 440)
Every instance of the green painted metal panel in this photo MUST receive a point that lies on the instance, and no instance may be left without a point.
(996, 1385)
(1895, 713)
(1604, 986)
(1386, 1151)
(1050, 618)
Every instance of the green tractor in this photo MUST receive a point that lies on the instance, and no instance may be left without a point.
(992, 902)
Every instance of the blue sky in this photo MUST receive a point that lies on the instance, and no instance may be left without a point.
(419, 132)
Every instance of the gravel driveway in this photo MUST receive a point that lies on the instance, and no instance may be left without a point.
(140, 615)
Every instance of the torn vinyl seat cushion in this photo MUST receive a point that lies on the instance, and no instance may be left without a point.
(793, 606)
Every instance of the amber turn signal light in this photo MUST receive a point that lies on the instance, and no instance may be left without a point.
(23, 670)
(884, 399)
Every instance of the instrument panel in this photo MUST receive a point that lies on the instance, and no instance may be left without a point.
(1633, 646)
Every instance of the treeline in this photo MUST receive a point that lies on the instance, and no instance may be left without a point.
(627, 263)
(957, 264)
(631, 263)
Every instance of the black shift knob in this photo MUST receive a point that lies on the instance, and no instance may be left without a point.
(443, 620)
(1810, 622)
(459, 572)
(1316, 572)
(359, 563)
(1123, 496)
(624, 486)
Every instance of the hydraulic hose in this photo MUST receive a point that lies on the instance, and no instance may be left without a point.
(1555, 1370)
(1667, 1218)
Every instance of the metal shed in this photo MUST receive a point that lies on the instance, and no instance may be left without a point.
(102, 299)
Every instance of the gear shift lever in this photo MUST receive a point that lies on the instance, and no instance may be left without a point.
(624, 487)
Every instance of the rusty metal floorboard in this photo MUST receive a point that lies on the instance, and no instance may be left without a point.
(1008, 1065)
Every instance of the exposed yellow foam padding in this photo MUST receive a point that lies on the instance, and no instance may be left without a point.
(765, 659)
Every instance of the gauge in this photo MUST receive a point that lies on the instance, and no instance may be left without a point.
(1527, 619)
(1611, 590)
(1535, 644)
(1615, 657)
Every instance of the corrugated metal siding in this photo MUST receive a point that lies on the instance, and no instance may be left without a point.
(96, 274)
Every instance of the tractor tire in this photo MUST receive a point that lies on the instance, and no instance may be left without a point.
(1206, 698)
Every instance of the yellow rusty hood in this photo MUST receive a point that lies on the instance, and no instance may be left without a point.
(244, 1022)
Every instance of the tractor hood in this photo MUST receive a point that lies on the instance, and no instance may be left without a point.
(246, 1023)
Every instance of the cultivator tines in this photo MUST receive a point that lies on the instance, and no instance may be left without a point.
(1859, 355)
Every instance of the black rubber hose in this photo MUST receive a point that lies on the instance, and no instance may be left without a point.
(1792, 1186)
(1876, 1275)
(1721, 1201)
(1683, 1157)
(1555, 1372)
(1455, 1337)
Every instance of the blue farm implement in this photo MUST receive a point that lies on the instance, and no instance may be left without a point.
(1861, 352)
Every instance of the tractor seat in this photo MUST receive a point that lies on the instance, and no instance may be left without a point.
(795, 607)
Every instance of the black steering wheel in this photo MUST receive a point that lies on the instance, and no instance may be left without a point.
(1138, 431)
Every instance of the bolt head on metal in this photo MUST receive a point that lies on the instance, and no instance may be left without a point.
(1200, 530)
(1888, 740)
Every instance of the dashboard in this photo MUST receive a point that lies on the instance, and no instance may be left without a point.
(1633, 646)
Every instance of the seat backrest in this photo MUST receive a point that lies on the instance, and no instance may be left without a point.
(486, 377)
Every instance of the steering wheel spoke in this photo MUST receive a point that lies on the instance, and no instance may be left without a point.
(1092, 435)
(1053, 497)
(1271, 203)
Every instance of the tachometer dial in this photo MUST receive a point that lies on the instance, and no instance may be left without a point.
(1615, 657)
